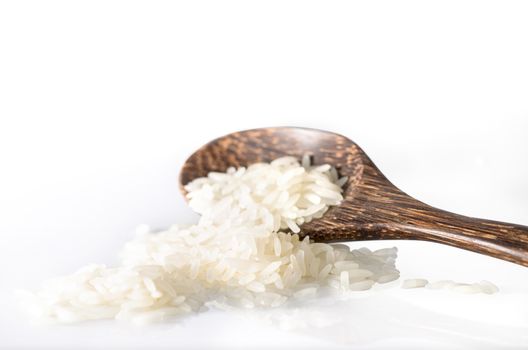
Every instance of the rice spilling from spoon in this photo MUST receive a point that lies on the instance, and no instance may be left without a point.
(245, 252)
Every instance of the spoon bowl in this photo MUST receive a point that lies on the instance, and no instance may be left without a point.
(372, 208)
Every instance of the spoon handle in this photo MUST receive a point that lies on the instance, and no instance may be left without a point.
(498, 239)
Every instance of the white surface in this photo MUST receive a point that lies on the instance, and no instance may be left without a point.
(100, 103)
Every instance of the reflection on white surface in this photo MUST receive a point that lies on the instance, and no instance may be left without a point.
(382, 317)
(387, 317)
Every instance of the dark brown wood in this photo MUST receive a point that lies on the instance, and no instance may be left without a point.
(373, 208)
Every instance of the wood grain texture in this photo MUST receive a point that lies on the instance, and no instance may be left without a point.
(373, 208)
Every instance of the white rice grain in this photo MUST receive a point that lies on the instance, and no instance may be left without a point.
(414, 283)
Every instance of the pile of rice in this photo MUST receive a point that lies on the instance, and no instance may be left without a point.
(244, 252)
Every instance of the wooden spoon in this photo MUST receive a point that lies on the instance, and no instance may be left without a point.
(373, 208)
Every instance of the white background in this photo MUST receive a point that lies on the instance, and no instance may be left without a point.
(101, 102)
